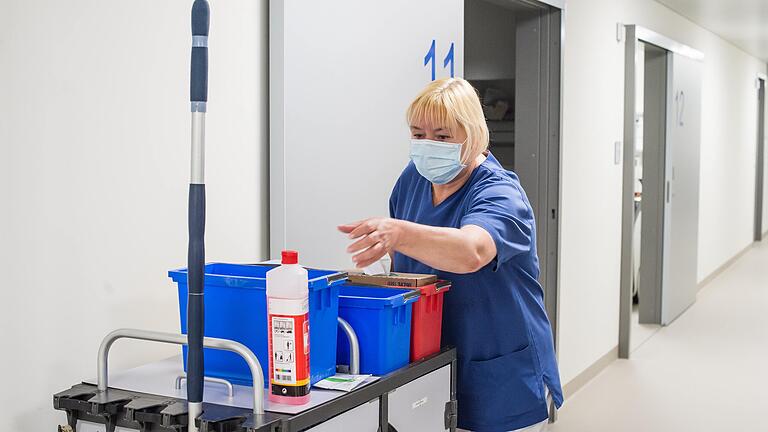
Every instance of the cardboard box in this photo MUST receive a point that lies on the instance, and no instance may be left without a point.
(405, 280)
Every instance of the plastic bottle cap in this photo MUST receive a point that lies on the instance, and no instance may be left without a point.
(290, 257)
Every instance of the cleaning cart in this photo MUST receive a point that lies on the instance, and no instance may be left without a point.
(418, 396)
(224, 391)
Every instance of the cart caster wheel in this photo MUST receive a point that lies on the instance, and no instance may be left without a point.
(65, 429)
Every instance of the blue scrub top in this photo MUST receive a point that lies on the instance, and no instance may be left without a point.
(494, 317)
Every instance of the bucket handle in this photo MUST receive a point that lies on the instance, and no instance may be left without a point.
(354, 346)
(337, 276)
(412, 294)
(330, 278)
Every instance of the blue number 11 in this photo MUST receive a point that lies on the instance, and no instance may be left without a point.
(449, 59)
(430, 59)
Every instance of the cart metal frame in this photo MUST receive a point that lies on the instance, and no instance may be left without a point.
(152, 413)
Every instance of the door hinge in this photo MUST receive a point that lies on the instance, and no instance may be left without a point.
(451, 408)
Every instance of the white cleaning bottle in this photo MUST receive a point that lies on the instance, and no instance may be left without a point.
(288, 322)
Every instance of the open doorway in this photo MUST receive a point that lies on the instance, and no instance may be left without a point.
(661, 184)
(512, 56)
(650, 90)
(760, 217)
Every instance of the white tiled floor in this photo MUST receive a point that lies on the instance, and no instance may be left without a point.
(707, 371)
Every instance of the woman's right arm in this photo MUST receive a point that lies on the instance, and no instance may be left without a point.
(453, 250)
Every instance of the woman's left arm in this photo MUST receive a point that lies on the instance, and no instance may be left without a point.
(454, 250)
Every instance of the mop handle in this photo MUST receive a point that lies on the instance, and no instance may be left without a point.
(198, 85)
(198, 92)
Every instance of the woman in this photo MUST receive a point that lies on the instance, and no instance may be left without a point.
(457, 213)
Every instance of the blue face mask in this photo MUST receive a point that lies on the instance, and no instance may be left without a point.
(436, 161)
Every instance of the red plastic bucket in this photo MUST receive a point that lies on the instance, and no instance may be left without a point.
(426, 324)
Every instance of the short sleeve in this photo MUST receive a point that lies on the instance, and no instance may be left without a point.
(498, 205)
(393, 199)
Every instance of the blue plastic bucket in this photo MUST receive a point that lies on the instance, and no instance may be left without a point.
(236, 309)
(381, 318)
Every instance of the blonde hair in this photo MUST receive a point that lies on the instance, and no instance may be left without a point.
(452, 103)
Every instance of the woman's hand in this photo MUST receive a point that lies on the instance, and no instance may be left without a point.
(377, 237)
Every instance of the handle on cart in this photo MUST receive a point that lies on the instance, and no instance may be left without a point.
(181, 339)
(225, 383)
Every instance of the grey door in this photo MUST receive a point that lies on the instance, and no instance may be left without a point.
(654, 182)
(681, 200)
(537, 135)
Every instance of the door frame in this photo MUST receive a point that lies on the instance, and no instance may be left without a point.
(551, 25)
(761, 82)
(632, 34)
(543, 62)
(557, 4)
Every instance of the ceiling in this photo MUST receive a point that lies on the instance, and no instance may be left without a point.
(742, 22)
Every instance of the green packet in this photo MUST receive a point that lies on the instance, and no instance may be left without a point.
(344, 382)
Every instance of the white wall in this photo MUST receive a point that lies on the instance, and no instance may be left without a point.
(593, 79)
(729, 118)
(591, 184)
(94, 127)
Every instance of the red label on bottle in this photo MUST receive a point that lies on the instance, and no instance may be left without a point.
(289, 347)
